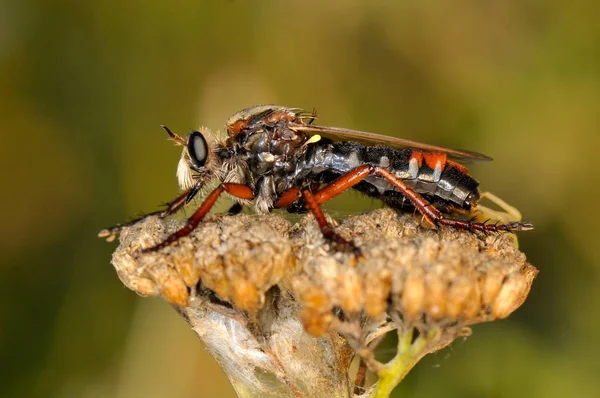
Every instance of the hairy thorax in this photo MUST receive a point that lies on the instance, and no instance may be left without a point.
(267, 160)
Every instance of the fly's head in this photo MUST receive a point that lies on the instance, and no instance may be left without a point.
(198, 162)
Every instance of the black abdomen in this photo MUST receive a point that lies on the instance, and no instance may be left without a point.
(446, 186)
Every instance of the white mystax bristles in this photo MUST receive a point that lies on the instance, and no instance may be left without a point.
(184, 172)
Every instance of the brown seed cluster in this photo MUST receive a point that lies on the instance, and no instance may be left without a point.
(238, 258)
(257, 290)
(422, 274)
(443, 276)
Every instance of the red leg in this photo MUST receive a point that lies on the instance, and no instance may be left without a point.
(237, 190)
(432, 214)
(172, 207)
(288, 197)
(292, 199)
(327, 230)
(343, 183)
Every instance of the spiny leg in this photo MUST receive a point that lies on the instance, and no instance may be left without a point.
(326, 229)
(295, 195)
(238, 190)
(431, 213)
(507, 215)
(293, 200)
(171, 208)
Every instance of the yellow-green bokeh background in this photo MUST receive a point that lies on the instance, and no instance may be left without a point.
(84, 86)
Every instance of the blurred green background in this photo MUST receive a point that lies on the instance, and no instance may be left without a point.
(86, 84)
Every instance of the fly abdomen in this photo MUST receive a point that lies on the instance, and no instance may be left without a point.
(444, 179)
(443, 182)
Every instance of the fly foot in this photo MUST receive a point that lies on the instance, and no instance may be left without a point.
(342, 244)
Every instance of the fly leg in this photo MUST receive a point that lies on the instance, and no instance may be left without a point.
(432, 214)
(238, 190)
(293, 200)
(509, 213)
(326, 229)
(305, 196)
(171, 208)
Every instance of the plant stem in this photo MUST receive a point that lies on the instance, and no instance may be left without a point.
(407, 356)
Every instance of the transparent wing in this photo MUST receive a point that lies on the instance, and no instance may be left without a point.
(370, 139)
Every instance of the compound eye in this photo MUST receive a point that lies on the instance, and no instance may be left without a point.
(197, 149)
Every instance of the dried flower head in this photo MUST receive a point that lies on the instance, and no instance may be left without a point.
(284, 314)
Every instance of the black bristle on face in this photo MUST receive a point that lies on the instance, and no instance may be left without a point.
(224, 153)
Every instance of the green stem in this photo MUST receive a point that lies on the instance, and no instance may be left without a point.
(407, 356)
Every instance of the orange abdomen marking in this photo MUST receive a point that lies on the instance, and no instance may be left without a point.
(436, 161)
(416, 156)
(458, 166)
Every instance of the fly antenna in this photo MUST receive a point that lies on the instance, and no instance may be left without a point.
(174, 137)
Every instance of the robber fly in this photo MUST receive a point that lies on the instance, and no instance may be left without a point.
(274, 157)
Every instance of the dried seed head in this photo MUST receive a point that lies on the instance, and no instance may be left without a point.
(261, 274)
(240, 259)
(423, 277)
